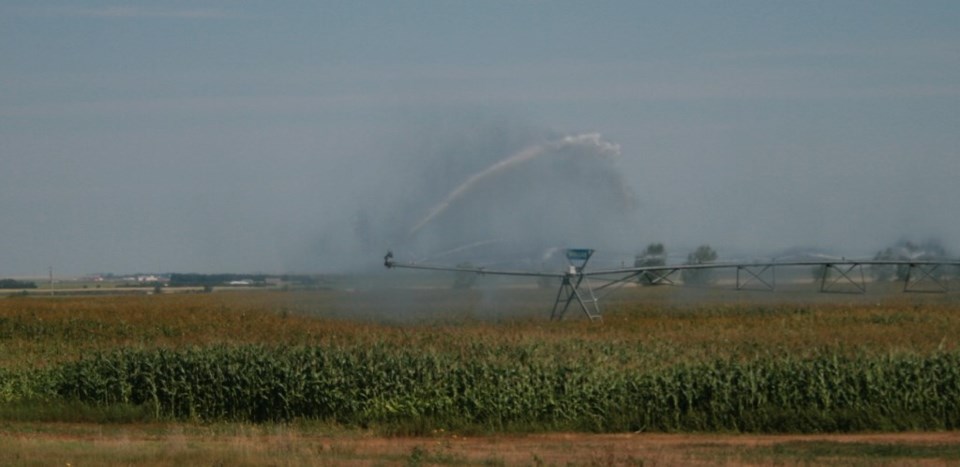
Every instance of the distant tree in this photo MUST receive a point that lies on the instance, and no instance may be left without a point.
(654, 255)
(885, 272)
(198, 280)
(905, 250)
(702, 255)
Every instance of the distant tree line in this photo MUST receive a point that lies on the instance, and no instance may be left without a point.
(655, 255)
(905, 250)
(300, 279)
(704, 254)
(210, 280)
(190, 279)
(15, 284)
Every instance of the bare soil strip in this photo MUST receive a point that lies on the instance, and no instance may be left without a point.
(79, 444)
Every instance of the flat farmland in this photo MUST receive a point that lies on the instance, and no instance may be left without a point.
(367, 374)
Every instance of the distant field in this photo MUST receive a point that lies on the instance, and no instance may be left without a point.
(720, 322)
(364, 359)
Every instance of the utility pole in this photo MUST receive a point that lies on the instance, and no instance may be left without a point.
(51, 280)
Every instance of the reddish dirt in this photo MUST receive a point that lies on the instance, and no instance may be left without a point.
(621, 449)
(252, 445)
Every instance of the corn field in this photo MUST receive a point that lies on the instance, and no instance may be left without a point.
(812, 366)
(503, 389)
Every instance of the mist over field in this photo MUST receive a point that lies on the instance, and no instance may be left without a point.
(312, 137)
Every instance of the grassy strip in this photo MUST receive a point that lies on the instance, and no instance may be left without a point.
(816, 451)
(408, 391)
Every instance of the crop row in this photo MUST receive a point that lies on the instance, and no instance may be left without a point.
(502, 387)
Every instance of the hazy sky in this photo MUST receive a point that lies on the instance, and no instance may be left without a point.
(243, 136)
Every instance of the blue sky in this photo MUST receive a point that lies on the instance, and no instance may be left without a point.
(247, 136)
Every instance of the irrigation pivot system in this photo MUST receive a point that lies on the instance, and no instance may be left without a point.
(575, 285)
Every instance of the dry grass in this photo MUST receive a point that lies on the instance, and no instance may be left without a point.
(39, 331)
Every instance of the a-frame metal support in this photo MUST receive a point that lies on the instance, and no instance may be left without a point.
(659, 276)
(570, 286)
(845, 277)
(756, 274)
(928, 275)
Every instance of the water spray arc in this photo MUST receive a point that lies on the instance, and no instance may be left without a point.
(461, 248)
(586, 140)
